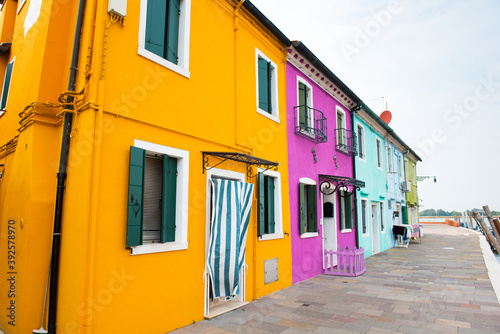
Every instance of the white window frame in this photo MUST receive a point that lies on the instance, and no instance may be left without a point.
(274, 115)
(183, 44)
(359, 126)
(309, 102)
(20, 5)
(308, 181)
(378, 149)
(367, 215)
(278, 208)
(342, 220)
(182, 200)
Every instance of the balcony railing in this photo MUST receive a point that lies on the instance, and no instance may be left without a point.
(310, 123)
(346, 141)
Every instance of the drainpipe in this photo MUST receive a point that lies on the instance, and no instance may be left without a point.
(61, 177)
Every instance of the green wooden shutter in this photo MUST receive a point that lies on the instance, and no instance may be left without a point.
(269, 87)
(302, 105)
(261, 224)
(263, 85)
(135, 196)
(405, 215)
(173, 30)
(156, 21)
(6, 85)
(302, 208)
(270, 204)
(169, 199)
(312, 208)
(348, 212)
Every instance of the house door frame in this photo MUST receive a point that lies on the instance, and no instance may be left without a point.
(375, 228)
(329, 227)
(217, 307)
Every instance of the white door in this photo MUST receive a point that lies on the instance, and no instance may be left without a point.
(329, 226)
(375, 229)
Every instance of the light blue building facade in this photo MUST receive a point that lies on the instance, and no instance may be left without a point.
(396, 198)
(374, 234)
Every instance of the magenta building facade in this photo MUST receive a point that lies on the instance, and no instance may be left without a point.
(321, 150)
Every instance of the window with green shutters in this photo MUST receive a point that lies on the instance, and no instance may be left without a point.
(265, 79)
(267, 207)
(151, 216)
(162, 28)
(308, 208)
(267, 86)
(346, 212)
(6, 85)
(164, 33)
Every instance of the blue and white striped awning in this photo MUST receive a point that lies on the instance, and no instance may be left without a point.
(231, 207)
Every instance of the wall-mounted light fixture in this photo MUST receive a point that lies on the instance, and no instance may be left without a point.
(421, 178)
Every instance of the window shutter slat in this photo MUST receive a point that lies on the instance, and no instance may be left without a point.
(261, 206)
(173, 30)
(169, 198)
(312, 208)
(263, 83)
(135, 197)
(6, 85)
(156, 27)
(270, 204)
(153, 187)
(302, 208)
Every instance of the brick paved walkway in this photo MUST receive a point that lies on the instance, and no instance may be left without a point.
(438, 286)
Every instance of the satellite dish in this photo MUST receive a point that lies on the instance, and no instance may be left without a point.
(386, 116)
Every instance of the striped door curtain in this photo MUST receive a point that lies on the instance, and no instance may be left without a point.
(231, 207)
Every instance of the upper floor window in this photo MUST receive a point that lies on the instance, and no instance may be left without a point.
(157, 198)
(361, 142)
(6, 86)
(407, 171)
(389, 159)
(346, 139)
(267, 86)
(164, 30)
(400, 166)
(379, 153)
(304, 104)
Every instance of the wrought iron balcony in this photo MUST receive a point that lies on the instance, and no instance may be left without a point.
(310, 123)
(346, 141)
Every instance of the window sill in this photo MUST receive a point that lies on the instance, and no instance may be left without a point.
(349, 230)
(273, 236)
(158, 248)
(268, 115)
(163, 62)
(309, 235)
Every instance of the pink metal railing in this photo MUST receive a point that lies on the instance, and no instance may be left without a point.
(350, 262)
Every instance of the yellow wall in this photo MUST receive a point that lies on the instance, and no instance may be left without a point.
(101, 284)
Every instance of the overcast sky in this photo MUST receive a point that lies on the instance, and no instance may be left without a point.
(437, 65)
